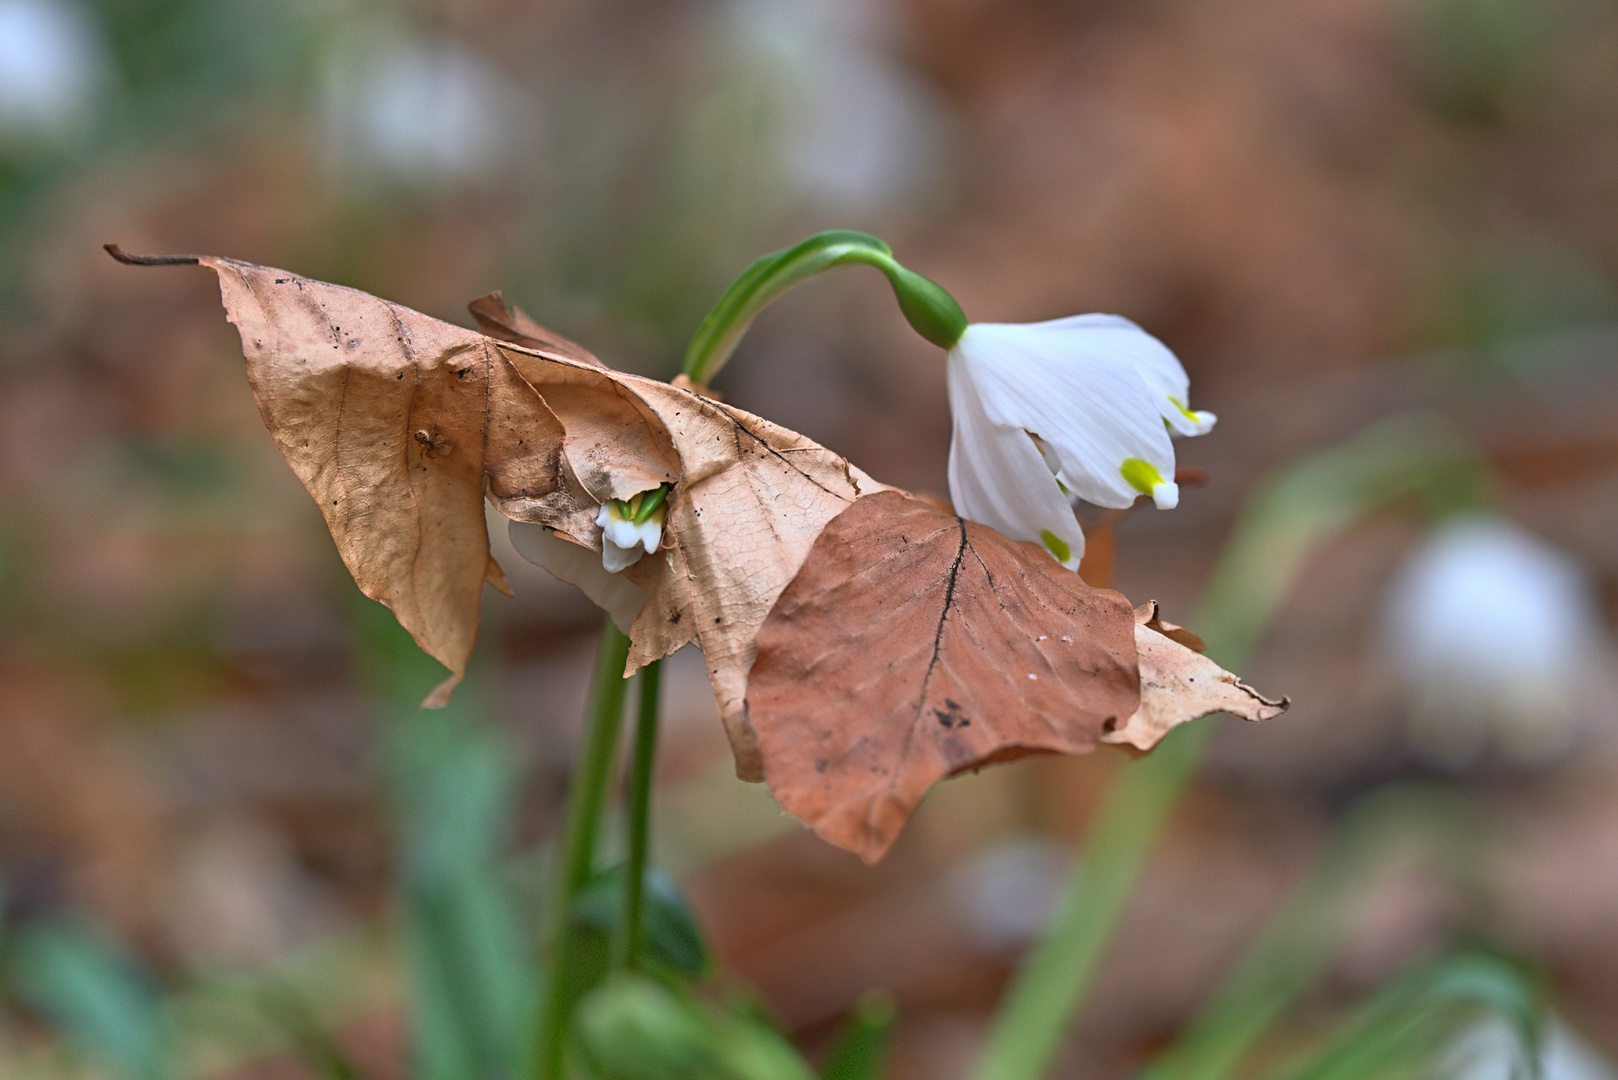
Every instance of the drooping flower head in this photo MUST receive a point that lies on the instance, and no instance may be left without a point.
(1074, 408)
(1081, 408)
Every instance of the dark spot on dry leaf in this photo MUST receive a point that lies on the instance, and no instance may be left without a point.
(950, 715)
(879, 650)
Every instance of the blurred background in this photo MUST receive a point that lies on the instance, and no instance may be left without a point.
(1335, 211)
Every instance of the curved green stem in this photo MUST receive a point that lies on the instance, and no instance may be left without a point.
(574, 857)
(626, 943)
(1284, 523)
(930, 310)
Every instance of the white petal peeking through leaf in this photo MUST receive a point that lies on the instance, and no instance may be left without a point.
(581, 567)
(630, 527)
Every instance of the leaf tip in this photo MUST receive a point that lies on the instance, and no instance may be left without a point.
(150, 260)
(1267, 708)
(439, 697)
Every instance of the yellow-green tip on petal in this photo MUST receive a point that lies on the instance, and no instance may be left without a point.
(1145, 478)
(1201, 422)
(1056, 546)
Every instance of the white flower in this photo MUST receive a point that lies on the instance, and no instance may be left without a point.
(1497, 636)
(1075, 408)
(1493, 1050)
(623, 537)
(54, 63)
(629, 528)
(578, 565)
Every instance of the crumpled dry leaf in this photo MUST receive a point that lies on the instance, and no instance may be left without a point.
(395, 423)
(1149, 616)
(399, 425)
(1178, 685)
(749, 498)
(913, 645)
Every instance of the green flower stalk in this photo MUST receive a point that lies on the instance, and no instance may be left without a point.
(929, 309)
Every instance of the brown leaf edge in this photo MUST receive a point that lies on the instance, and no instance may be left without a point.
(1178, 685)
(499, 318)
(340, 378)
(913, 645)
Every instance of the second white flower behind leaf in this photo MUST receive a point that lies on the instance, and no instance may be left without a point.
(630, 528)
(1075, 408)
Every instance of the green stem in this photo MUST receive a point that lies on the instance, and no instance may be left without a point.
(626, 944)
(930, 310)
(575, 851)
(1052, 983)
(1282, 525)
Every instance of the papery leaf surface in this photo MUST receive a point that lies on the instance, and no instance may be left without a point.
(395, 422)
(499, 318)
(750, 500)
(400, 424)
(1179, 684)
(913, 645)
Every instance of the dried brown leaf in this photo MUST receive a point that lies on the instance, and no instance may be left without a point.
(913, 645)
(749, 499)
(1149, 615)
(399, 424)
(1178, 685)
(394, 422)
(498, 318)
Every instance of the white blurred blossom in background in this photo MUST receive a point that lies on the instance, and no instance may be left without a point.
(1004, 894)
(1491, 1051)
(860, 132)
(426, 111)
(1497, 638)
(54, 65)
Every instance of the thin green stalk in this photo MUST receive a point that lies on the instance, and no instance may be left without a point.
(1284, 523)
(1051, 985)
(931, 311)
(575, 850)
(626, 943)
(860, 1047)
(1437, 826)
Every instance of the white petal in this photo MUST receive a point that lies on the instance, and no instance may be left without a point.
(649, 533)
(1067, 382)
(580, 566)
(997, 477)
(1154, 362)
(1189, 421)
(616, 558)
(619, 531)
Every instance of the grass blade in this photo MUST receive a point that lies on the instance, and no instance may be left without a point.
(1286, 520)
